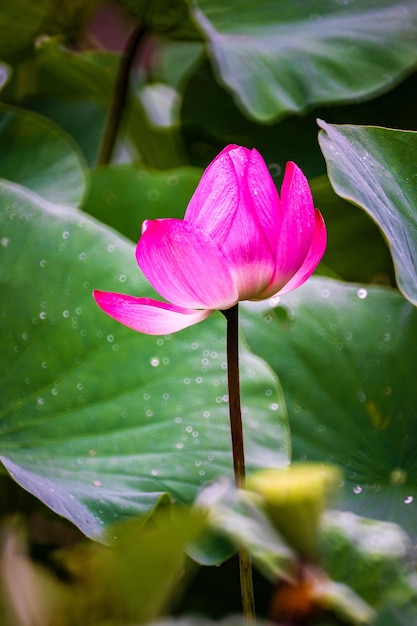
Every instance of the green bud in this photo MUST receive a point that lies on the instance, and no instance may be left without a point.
(295, 498)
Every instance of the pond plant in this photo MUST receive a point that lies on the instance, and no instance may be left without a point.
(235, 441)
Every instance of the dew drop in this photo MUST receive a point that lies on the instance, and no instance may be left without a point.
(172, 181)
(408, 500)
(274, 169)
(357, 489)
(362, 294)
(153, 194)
(154, 361)
(398, 476)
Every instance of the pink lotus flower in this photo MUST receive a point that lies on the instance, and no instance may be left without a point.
(238, 241)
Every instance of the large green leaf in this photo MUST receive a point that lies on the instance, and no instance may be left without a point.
(287, 57)
(206, 130)
(345, 356)
(38, 155)
(96, 420)
(356, 250)
(124, 195)
(375, 168)
(373, 558)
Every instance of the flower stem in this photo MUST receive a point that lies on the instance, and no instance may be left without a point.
(235, 413)
(120, 94)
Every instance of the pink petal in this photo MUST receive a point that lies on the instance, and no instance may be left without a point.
(251, 241)
(147, 316)
(237, 205)
(185, 266)
(215, 201)
(313, 258)
(248, 254)
(265, 199)
(297, 228)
